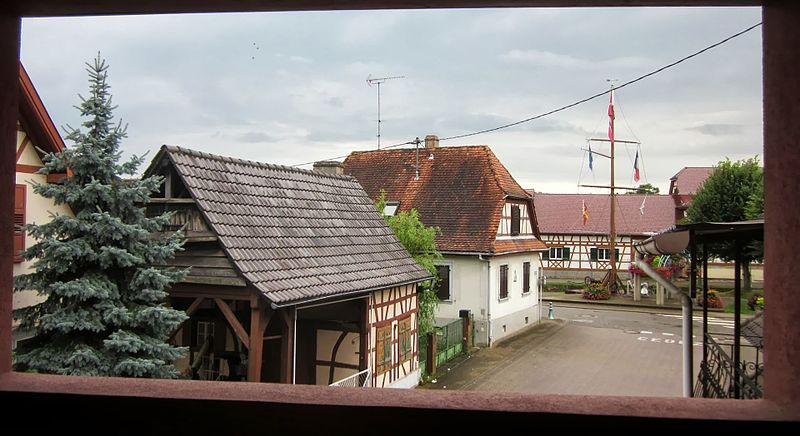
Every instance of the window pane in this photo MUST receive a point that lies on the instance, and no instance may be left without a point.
(526, 277)
(443, 291)
(503, 281)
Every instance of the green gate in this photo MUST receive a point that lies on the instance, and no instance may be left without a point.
(449, 343)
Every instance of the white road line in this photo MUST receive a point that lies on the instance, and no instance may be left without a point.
(668, 334)
(645, 332)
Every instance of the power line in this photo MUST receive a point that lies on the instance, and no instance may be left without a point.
(579, 102)
(630, 82)
(344, 156)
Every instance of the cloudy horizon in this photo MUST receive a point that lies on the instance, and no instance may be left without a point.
(291, 87)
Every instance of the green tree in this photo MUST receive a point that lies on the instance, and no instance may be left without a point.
(733, 192)
(103, 311)
(645, 188)
(420, 241)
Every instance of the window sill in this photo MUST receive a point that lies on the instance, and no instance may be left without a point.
(500, 300)
(290, 407)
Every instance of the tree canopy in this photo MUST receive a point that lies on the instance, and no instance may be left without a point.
(420, 241)
(101, 272)
(645, 188)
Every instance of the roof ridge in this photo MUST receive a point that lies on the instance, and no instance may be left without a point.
(257, 164)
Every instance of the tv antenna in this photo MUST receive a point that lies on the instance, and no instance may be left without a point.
(377, 81)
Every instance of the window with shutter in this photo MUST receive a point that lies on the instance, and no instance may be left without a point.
(443, 291)
(19, 221)
(515, 220)
(526, 277)
(546, 255)
(383, 349)
(503, 281)
(593, 254)
(565, 253)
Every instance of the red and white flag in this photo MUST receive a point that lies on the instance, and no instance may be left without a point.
(584, 211)
(611, 116)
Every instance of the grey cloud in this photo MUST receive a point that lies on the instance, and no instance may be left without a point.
(255, 137)
(718, 129)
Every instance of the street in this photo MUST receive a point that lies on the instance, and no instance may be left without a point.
(585, 351)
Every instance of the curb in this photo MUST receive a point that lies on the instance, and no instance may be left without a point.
(626, 305)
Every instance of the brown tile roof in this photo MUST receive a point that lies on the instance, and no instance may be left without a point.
(461, 190)
(561, 213)
(295, 235)
(689, 179)
(35, 118)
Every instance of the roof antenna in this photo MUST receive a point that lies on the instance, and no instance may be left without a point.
(377, 81)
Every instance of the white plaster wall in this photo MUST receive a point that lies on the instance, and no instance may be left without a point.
(37, 211)
(517, 304)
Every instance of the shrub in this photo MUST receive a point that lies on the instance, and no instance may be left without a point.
(714, 301)
(595, 291)
(756, 302)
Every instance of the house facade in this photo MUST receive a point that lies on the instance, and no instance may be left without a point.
(488, 232)
(295, 277)
(36, 135)
(684, 185)
(577, 249)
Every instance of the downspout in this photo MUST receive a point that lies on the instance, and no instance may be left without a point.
(488, 299)
(686, 310)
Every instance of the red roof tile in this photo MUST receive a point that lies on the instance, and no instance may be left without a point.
(461, 190)
(561, 213)
(35, 118)
(689, 179)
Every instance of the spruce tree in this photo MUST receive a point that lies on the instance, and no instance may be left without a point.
(101, 272)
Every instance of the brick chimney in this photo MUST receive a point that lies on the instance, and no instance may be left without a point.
(431, 141)
(329, 167)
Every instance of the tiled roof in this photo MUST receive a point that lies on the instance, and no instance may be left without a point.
(295, 235)
(35, 118)
(561, 213)
(461, 190)
(689, 179)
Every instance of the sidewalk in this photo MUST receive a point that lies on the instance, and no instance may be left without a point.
(625, 301)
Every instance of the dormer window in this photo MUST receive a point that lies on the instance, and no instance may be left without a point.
(391, 208)
(515, 220)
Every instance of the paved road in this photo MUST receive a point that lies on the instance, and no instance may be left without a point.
(586, 352)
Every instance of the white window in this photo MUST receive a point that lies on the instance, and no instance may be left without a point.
(391, 208)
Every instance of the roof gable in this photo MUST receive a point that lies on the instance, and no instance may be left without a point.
(562, 213)
(295, 235)
(461, 190)
(688, 180)
(34, 117)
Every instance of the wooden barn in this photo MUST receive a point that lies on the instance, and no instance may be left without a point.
(295, 277)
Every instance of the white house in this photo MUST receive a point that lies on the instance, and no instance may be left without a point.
(488, 230)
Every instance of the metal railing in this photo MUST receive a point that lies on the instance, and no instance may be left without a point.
(721, 377)
(361, 379)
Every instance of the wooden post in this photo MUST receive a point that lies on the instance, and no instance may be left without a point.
(255, 355)
(637, 287)
(287, 349)
(466, 334)
(9, 113)
(430, 365)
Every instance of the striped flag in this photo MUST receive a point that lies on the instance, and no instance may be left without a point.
(636, 167)
(584, 211)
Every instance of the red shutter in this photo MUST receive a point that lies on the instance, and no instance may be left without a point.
(19, 221)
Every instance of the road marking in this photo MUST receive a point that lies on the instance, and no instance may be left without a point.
(582, 320)
(645, 332)
(726, 323)
(668, 334)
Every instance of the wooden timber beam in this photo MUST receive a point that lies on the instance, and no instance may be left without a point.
(287, 350)
(334, 352)
(256, 348)
(233, 322)
(189, 312)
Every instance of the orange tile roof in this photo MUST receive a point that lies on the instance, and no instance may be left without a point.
(461, 190)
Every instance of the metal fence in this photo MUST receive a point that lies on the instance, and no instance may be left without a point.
(449, 341)
(362, 379)
(721, 377)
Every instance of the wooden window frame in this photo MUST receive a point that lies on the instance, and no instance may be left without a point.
(448, 281)
(516, 220)
(526, 278)
(383, 348)
(20, 219)
(502, 292)
(405, 338)
(66, 396)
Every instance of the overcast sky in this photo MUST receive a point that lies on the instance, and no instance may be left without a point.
(288, 88)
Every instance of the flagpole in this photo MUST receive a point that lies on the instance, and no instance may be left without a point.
(612, 250)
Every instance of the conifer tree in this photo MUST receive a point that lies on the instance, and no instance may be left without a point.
(100, 272)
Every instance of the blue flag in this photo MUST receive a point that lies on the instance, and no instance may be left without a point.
(590, 156)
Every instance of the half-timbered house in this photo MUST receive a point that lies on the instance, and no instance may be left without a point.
(36, 135)
(578, 249)
(487, 225)
(684, 185)
(295, 277)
